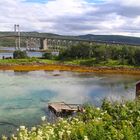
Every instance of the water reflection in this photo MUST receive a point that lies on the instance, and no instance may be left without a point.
(24, 96)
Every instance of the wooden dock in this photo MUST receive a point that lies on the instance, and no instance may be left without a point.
(63, 109)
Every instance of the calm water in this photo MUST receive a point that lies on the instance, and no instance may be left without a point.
(10, 54)
(24, 95)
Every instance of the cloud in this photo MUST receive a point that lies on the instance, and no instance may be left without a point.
(72, 16)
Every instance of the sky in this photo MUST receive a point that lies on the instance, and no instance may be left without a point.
(72, 17)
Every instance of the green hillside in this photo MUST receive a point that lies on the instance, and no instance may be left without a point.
(107, 38)
(113, 38)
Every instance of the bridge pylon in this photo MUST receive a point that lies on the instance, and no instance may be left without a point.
(17, 34)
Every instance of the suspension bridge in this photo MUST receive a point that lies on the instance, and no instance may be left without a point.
(42, 42)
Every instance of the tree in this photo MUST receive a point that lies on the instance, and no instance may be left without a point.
(137, 57)
(81, 50)
(47, 55)
(18, 54)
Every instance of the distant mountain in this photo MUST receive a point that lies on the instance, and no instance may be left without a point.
(106, 38)
(112, 38)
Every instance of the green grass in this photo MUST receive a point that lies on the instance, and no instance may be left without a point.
(79, 62)
(94, 62)
(26, 61)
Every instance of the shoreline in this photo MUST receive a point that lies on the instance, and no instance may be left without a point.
(72, 68)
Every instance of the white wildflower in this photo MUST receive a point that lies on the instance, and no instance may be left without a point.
(4, 138)
(13, 137)
(51, 131)
(48, 123)
(65, 126)
(43, 118)
(99, 118)
(105, 112)
(60, 133)
(22, 127)
(68, 132)
(47, 136)
(86, 138)
(33, 129)
(39, 138)
(76, 119)
(102, 113)
(98, 108)
(40, 132)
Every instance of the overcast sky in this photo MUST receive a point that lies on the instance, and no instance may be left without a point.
(72, 17)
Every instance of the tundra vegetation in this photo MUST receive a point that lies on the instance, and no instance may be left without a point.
(112, 121)
(86, 55)
(102, 54)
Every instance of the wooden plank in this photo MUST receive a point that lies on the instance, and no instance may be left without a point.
(62, 106)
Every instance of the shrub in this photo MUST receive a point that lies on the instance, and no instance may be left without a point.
(18, 54)
(113, 121)
(47, 55)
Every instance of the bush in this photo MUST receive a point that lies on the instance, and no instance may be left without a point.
(47, 55)
(20, 54)
(113, 121)
(126, 55)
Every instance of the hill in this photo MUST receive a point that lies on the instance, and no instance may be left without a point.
(106, 38)
(112, 38)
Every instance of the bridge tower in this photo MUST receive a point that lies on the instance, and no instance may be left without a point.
(17, 34)
(44, 43)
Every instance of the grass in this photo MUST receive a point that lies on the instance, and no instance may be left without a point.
(80, 62)
(93, 62)
(27, 61)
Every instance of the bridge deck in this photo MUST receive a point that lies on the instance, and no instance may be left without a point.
(72, 39)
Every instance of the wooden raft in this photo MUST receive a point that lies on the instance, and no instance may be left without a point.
(63, 109)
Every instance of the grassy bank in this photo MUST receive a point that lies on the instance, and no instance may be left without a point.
(26, 61)
(113, 121)
(76, 62)
(71, 65)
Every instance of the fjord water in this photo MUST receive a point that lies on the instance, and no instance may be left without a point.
(24, 95)
(10, 54)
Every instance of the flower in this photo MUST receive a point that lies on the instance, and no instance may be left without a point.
(13, 137)
(33, 129)
(43, 118)
(22, 127)
(123, 105)
(4, 138)
(99, 118)
(51, 131)
(40, 132)
(98, 108)
(85, 137)
(68, 132)
(60, 133)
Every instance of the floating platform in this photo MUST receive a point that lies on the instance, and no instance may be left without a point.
(63, 109)
(56, 73)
